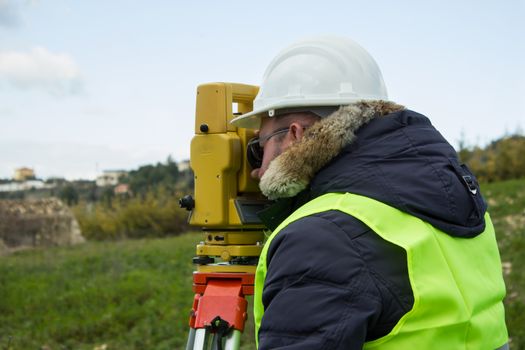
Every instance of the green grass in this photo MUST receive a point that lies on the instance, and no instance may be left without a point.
(127, 295)
(506, 201)
(136, 294)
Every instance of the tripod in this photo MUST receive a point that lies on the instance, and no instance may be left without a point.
(219, 310)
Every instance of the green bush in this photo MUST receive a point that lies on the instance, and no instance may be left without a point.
(153, 215)
(501, 160)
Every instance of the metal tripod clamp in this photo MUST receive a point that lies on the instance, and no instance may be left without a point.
(223, 295)
(219, 297)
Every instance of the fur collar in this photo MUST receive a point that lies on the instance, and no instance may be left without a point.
(292, 171)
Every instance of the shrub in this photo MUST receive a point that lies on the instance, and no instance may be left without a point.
(156, 214)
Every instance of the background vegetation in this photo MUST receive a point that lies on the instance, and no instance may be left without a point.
(503, 159)
(506, 201)
(150, 207)
(155, 214)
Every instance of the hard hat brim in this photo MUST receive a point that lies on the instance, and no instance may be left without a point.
(321, 107)
(252, 120)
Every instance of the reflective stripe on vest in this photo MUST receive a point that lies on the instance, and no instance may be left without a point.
(457, 282)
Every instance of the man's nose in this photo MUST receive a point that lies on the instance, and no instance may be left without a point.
(255, 174)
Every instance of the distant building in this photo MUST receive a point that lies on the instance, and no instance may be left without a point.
(10, 187)
(121, 189)
(110, 177)
(183, 165)
(22, 174)
(24, 186)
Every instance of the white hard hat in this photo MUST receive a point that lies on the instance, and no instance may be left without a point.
(323, 71)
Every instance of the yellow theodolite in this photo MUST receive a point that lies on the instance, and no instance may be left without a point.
(225, 205)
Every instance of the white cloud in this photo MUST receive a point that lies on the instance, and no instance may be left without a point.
(6, 111)
(9, 14)
(56, 74)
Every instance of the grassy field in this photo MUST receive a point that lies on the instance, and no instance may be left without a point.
(125, 295)
(137, 294)
(507, 207)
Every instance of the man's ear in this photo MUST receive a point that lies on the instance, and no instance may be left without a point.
(296, 131)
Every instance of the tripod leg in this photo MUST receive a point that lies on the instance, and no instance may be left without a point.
(233, 342)
(202, 339)
(191, 339)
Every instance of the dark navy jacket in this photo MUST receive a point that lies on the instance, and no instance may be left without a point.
(332, 282)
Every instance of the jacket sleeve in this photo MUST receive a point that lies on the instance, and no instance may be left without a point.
(318, 292)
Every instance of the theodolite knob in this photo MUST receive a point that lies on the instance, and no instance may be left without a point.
(187, 202)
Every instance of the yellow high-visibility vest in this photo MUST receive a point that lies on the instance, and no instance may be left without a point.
(457, 282)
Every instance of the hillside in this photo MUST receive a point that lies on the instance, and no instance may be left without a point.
(136, 294)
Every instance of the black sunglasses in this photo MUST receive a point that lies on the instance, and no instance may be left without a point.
(255, 148)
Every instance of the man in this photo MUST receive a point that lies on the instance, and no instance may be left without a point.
(380, 236)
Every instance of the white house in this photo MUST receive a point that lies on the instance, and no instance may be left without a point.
(110, 177)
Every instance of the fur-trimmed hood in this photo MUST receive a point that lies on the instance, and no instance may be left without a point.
(381, 150)
(292, 171)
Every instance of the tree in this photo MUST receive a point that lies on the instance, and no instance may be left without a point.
(69, 195)
(501, 160)
(107, 197)
(149, 177)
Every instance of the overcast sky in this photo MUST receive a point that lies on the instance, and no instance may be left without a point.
(92, 85)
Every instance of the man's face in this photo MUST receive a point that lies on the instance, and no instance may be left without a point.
(272, 146)
(278, 143)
